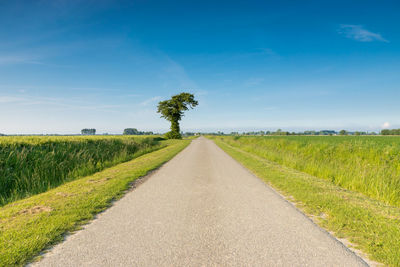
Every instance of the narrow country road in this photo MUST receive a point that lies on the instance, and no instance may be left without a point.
(201, 209)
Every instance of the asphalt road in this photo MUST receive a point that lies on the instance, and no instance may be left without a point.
(201, 209)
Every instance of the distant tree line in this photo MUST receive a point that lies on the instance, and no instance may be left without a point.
(281, 132)
(134, 131)
(88, 131)
(390, 132)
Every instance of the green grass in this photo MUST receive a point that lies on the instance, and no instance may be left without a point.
(32, 224)
(368, 224)
(369, 165)
(32, 165)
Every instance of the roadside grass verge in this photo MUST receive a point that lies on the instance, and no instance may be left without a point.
(30, 225)
(365, 164)
(370, 225)
(30, 165)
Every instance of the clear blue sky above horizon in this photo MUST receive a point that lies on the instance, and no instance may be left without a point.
(294, 65)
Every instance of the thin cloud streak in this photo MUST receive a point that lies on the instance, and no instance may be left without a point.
(10, 99)
(178, 73)
(359, 33)
(55, 102)
(6, 60)
(150, 100)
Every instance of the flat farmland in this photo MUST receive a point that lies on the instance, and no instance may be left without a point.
(369, 165)
(204, 198)
(34, 164)
(348, 185)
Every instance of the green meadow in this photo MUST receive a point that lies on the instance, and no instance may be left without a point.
(369, 165)
(31, 165)
(347, 185)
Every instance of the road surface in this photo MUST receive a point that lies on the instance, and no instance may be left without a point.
(202, 208)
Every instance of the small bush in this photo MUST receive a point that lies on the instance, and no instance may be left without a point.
(173, 135)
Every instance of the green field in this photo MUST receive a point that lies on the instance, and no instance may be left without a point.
(348, 185)
(369, 165)
(29, 225)
(345, 184)
(31, 165)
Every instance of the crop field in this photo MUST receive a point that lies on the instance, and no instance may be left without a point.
(369, 165)
(347, 185)
(31, 165)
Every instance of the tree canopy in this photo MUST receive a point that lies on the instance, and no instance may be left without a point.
(134, 131)
(173, 111)
(390, 132)
(88, 131)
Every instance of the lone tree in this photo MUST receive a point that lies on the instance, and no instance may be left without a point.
(173, 109)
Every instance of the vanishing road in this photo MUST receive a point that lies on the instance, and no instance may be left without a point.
(202, 208)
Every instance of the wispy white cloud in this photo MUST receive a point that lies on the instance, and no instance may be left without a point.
(150, 100)
(359, 33)
(386, 125)
(23, 52)
(176, 72)
(10, 99)
(26, 100)
(18, 59)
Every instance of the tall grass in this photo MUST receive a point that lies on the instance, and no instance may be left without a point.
(31, 165)
(370, 165)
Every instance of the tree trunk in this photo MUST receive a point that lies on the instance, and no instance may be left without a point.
(175, 127)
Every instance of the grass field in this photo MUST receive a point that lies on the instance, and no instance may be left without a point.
(299, 168)
(31, 165)
(369, 165)
(32, 224)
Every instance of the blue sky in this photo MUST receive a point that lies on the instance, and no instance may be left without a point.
(295, 65)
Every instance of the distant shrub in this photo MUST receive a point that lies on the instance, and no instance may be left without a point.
(390, 132)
